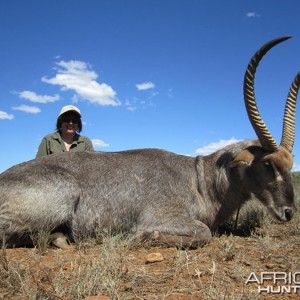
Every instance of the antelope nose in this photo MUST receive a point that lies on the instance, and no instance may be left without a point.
(288, 212)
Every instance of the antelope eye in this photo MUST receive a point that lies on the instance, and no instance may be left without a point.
(268, 165)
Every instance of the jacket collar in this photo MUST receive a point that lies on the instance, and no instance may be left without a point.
(77, 138)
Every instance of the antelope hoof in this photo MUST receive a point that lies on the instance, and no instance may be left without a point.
(59, 240)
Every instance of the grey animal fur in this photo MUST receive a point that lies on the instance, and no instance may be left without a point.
(174, 199)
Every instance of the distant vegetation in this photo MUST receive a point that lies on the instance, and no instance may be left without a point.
(296, 179)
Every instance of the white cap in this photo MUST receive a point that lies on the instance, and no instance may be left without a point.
(69, 108)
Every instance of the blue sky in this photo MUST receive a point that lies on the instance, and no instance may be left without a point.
(145, 73)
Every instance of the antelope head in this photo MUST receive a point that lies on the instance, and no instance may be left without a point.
(266, 166)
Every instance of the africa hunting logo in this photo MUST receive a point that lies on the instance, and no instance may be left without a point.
(275, 282)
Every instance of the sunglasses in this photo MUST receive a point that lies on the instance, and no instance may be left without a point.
(68, 120)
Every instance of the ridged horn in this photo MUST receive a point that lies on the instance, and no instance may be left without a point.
(260, 128)
(288, 132)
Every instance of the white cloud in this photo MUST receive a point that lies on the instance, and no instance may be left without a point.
(213, 147)
(170, 93)
(33, 97)
(145, 86)
(137, 103)
(5, 116)
(252, 14)
(27, 109)
(99, 143)
(77, 76)
(130, 105)
(296, 168)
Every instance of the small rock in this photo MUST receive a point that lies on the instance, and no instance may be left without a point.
(270, 266)
(154, 257)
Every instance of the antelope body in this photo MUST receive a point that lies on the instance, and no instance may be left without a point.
(170, 198)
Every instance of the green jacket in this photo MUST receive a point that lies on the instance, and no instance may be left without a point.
(53, 143)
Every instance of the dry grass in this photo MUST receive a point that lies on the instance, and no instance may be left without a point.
(119, 270)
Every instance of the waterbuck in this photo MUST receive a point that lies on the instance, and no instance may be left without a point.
(169, 198)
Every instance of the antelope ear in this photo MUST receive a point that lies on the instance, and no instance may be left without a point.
(244, 158)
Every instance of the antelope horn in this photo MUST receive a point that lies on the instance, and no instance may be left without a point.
(262, 132)
(288, 132)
